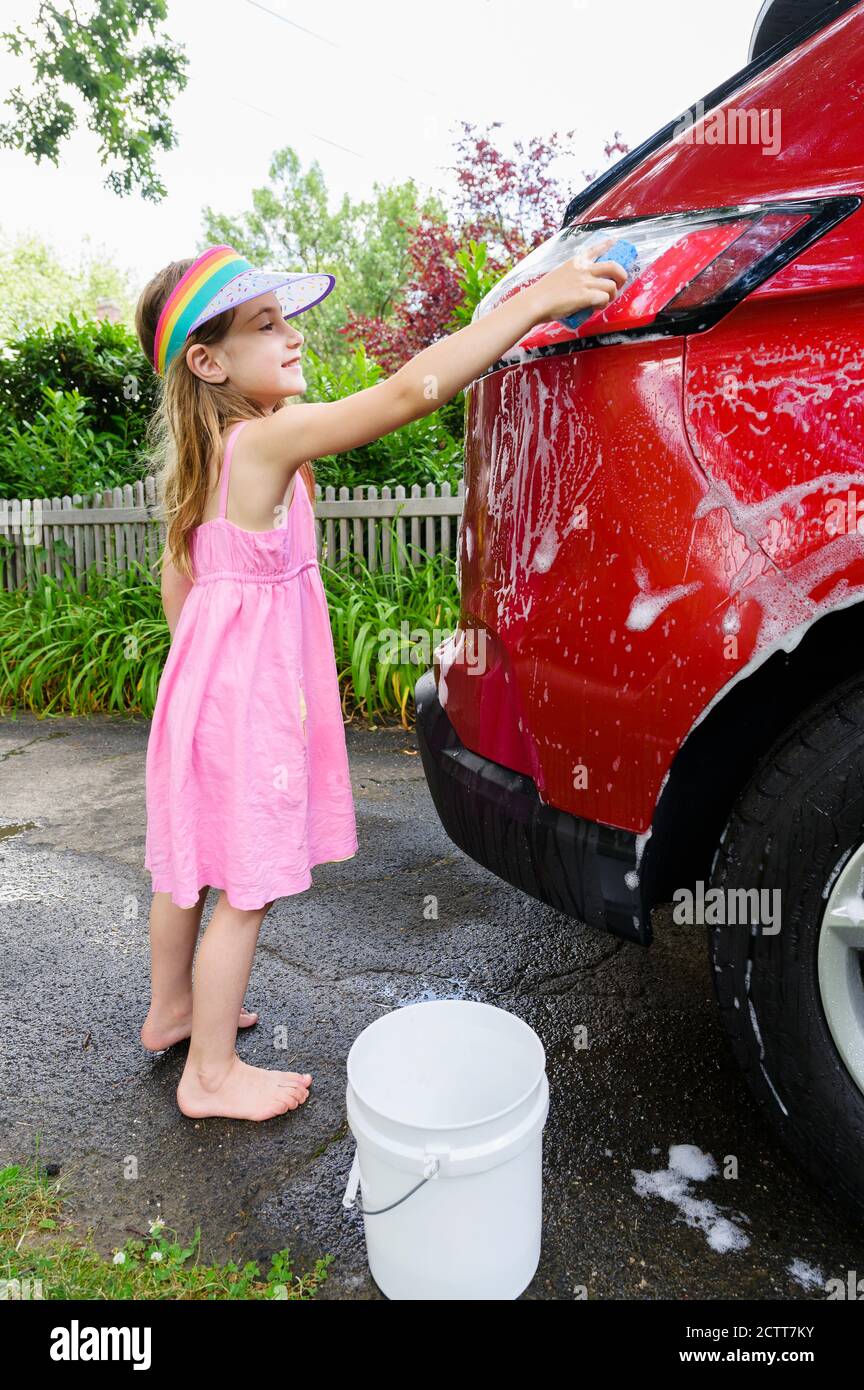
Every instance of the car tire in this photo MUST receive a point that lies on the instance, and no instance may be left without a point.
(792, 1000)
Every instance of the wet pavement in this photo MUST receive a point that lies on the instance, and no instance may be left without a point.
(655, 1086)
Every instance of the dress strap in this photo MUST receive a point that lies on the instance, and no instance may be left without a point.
(226, 467)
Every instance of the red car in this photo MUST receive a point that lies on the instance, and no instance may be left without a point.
(656, 689)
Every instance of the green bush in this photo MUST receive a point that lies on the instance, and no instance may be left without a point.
(58, 452)
(75, 401)
(428, 450)
(103, 364)
(475, 282)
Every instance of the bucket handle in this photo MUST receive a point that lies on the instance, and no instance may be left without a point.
(352, 1194)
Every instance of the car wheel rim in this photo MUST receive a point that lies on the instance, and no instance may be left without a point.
(841, 964)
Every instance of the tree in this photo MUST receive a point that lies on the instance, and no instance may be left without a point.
(37, 289)
(430, 295)
(128, 91)
(514, 203)
(503, 208)
(365, 245)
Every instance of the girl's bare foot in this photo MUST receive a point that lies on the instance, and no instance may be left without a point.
(242, 1092)
(159, 1032)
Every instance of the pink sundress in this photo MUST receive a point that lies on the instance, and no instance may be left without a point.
(247, 778)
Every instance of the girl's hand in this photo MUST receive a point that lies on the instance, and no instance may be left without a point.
(579, 283)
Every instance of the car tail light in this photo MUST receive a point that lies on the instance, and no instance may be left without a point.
(693, 268)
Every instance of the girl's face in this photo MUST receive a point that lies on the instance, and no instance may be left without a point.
(259, 355)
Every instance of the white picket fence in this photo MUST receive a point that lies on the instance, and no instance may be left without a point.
(116, 527)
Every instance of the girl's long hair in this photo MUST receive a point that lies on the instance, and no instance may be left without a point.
(188, 422)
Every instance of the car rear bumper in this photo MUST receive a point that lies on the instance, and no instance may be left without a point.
(496, 817)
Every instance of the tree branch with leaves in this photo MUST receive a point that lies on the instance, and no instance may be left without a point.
(127, 89)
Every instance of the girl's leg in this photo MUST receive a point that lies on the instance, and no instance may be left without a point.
(173, 934)
(214, 1080)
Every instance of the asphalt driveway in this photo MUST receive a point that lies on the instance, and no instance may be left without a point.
(641, 1124)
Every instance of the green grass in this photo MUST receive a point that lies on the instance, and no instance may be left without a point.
(64, 652)
(39, 1243)
(369, 609)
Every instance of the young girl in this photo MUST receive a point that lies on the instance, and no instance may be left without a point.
(247, 781)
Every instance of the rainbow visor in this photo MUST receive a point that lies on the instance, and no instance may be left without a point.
(220, 278)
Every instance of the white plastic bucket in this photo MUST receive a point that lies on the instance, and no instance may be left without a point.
(447, 1101)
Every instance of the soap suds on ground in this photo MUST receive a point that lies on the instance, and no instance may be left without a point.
(688, 1164)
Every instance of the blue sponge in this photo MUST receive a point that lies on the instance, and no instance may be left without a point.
(626, 254)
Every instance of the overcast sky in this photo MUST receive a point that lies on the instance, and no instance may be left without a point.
(372, 92)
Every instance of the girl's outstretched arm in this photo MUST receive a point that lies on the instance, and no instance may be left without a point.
(437, 373)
